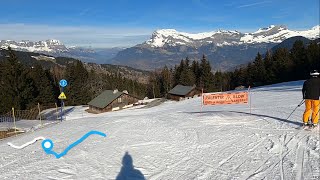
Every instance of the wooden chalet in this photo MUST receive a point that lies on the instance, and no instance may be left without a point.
(111, 100)
(180, 92)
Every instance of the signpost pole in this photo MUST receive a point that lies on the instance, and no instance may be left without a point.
(61, 109)
(249, 98)
(201, 99)
(63, 83)
(39, 114)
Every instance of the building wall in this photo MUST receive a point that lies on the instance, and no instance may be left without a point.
(174, 97)
(191, 94)
(121, 101)
(194, 92)
(93, 109)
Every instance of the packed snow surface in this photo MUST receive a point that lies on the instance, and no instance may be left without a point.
(177, 140)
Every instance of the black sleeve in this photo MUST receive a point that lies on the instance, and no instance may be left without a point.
(304, 89)
(319, 85)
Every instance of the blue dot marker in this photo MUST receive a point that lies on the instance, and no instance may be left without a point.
(63, 83)
(47, 144)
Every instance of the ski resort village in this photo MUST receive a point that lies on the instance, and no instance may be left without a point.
(160, 90)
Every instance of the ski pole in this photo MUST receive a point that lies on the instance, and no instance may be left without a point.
(302, 101)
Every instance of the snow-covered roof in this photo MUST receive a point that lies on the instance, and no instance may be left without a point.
(181, 90)
(105, 98)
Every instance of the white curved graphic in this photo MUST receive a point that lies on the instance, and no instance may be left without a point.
(26, 144)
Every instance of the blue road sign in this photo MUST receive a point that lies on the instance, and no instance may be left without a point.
(63, 83)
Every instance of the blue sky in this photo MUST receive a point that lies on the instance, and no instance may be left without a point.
(109, 23)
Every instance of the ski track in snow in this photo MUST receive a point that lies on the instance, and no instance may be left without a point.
(175, 140)
(26, 144)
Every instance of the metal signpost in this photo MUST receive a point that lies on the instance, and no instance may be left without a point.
(63, 83)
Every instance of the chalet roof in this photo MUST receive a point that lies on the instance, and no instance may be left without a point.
(105, 98)
(181, 90)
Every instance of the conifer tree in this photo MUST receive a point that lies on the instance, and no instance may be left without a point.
(76, 91)
(206, 77)
(187, 77)
(196, 71)
(282, 64)
(249, 70)
(259, 70)
(154, 86)
(44, 90)
(178, 72)
(166, 80)
(313, 55)
(3, 106)
(17, 88)
(298, 56)
(269, 64)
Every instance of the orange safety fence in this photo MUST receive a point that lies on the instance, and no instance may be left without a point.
(225, 98)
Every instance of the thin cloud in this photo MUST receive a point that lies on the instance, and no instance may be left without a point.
(231, 4)
(253, 4)
(85, 11)
(79, 35)
(200, 3)
(211, 19)
(282, 14)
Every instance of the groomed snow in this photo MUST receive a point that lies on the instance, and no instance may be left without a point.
(176, 140)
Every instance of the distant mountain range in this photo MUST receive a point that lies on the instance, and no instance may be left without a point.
(288, 43)
(56, 48)
(50, 62)
(224, 49)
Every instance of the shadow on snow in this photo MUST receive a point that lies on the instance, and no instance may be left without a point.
(127, 170)
(259, 115)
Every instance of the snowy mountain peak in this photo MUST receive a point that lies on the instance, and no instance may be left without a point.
(276, 34)
(271, 34)
(173, 37)
(50, 45)
(316, 28)
(53, 42)
(271, 28)
(227, 31)
(166, 32)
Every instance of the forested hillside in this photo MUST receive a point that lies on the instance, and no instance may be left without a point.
(23, 86)
(276, 66)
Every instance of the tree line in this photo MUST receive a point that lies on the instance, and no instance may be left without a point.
(280, 66)
(23, 87)
(272, 67)
(186, 73)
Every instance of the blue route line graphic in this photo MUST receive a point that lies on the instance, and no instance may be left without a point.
(47, 144)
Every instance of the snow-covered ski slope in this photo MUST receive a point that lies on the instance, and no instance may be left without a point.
(176, 141)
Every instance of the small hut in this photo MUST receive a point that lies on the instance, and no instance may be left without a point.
(180, 92)
(111, 100)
